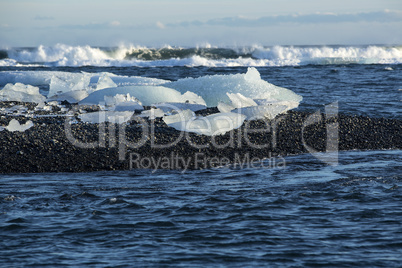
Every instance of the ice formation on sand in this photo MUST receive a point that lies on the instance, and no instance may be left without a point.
(238, 97)
(21, 92)
(147, 95)
(211, 125)
(14, 125)
(213, 88)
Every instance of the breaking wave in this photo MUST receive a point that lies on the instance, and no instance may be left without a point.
(65, 55)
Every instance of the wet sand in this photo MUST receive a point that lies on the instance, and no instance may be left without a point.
(55, 145)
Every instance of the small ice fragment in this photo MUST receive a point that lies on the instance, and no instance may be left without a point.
(48, 108)
(22, 93)
(14, 125)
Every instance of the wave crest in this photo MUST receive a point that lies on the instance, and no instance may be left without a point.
(65, 55)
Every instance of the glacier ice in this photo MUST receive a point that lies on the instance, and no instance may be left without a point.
(147, 95)
(211, 125)
(238, 97)
(213, 88)
(14, 125)
(106, 116)
(70, 83)
(21, 92)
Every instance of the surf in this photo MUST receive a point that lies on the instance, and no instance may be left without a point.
(208, 56)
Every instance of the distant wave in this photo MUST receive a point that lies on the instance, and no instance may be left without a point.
(65, 55)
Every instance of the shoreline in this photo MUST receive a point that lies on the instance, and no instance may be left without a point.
(54, 144)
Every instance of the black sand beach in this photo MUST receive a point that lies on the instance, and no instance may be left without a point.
(55, 145)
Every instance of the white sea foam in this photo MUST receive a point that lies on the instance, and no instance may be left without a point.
(65, 55)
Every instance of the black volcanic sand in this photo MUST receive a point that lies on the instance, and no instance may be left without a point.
(152, 144)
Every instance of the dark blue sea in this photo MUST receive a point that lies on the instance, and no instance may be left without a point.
(301, 213)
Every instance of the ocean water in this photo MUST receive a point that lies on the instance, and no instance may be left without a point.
(281, 212)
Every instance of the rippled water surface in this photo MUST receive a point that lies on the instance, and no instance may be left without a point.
(305, 213)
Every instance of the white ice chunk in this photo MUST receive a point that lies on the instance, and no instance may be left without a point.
(48, 108)
(152, 113)
(14, 125)
(68, 83)
(215, 124)
(213, 88)
(147, 95)
(106, 116)
(21, 92)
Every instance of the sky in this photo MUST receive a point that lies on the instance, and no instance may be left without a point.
(158, 23)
